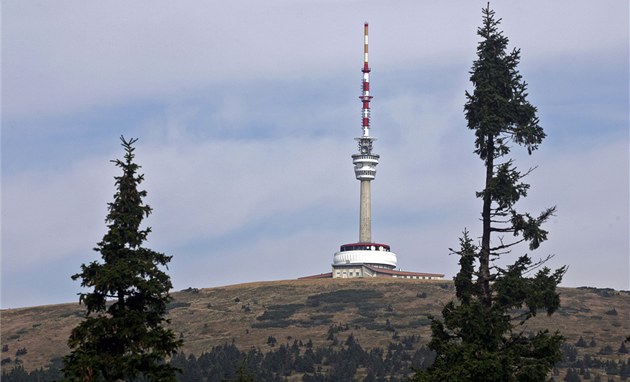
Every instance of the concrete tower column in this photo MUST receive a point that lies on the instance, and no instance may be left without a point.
(365, 213)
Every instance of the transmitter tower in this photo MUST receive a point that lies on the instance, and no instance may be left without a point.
(367, 258)
(365, 160)
(358, 259)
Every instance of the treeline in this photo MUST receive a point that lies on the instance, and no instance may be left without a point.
(589, 367)
(344, 363)
(348, 361)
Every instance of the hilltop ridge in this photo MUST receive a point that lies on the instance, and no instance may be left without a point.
(376, 311)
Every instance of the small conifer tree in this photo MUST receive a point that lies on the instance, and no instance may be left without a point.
(580, 343)
(123, 336)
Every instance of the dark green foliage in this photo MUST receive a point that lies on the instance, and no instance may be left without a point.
(606, 350)
(334, 329)
(369, 310)
(362, 321)
(482, 336)
(241, 374)
(475, 342)
(612, 312)
(332, 308)
(123, 334)
(273, 324)
(346, 295)
(228, 363)
(177, 304)
(569, 311)
(572, 376)
(580, 343)
(499, 114)
(277, 316)
(279, 312)
(321, 318)
(611, 368)
(604, 292)
(420, 322)
(19, 374)
(323, 364)
(569, 353)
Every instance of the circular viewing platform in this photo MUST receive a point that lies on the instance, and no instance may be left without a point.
(375, 254)
(365, 166)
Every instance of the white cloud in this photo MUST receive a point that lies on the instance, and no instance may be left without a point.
(590, 232)
(47, 216)
(71, 55)
(212, 188)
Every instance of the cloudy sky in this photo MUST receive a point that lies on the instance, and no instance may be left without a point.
(246, 113)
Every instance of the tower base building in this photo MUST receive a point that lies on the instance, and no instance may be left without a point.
(371, 260)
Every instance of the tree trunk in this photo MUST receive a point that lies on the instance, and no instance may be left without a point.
(484, 255)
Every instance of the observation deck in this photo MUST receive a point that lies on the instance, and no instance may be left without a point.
(365, 166)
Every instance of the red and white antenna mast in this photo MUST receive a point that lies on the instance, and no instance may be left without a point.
(366, 97)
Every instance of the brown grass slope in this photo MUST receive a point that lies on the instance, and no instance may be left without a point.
(374, 310)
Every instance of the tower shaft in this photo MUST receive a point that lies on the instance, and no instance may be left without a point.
(365, 213)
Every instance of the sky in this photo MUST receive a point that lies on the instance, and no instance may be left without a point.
(246, 113)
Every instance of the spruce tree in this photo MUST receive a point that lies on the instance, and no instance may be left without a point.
(483, 335)
(124, 334)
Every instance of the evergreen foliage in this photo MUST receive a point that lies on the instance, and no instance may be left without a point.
(572, 376)
(482, 335)
(326, 364)
(581, 343)
(612, 312)
(123, 335)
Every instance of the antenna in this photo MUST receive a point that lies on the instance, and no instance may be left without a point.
(365, 96)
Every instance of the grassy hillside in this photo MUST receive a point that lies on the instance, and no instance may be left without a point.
(374, 310)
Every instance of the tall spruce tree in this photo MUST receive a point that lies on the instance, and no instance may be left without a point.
(483, 336)
(123, 336)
